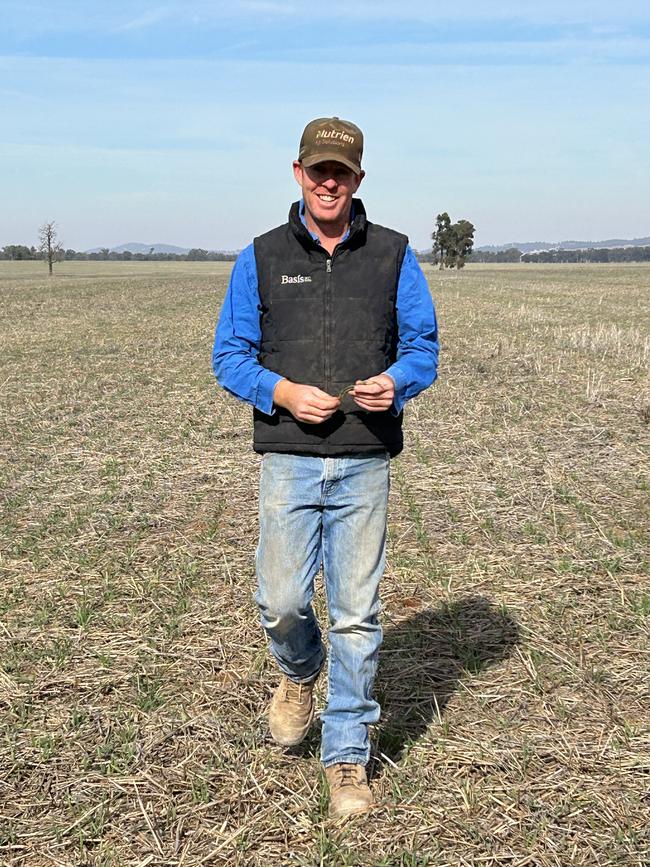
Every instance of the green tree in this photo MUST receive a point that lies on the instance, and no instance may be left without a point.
(452, 242)
(463, 236)
(49, 245)
(441, 239)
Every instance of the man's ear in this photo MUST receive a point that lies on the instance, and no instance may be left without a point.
(360, 177)
(297, 172)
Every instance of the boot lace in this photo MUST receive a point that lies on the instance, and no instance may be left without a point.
(294, 692)
(347, 775)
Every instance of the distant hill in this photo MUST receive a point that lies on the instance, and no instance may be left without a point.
(533, 246)
(136, 247)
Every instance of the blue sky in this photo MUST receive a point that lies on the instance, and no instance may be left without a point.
(177, 122)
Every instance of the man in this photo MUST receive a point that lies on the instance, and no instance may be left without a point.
(327, 329)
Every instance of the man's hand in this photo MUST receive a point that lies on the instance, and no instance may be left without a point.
(375, 394)
(305, 402)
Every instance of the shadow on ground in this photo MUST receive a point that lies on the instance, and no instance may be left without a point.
(422, 660)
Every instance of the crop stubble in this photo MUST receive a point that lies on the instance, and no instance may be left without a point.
(514, 671)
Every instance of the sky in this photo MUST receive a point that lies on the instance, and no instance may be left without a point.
(177, 122)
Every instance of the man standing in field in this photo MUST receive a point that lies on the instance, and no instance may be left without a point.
(327, 329)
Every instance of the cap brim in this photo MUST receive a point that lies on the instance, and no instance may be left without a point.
(326, 156)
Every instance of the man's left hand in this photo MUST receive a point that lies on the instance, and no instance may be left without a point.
(375, 394)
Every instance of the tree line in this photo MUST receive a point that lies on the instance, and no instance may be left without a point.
(592, 254)
(22, 251)
(50, 249)
(510, 255)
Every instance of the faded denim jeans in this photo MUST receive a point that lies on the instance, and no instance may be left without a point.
(332, 511)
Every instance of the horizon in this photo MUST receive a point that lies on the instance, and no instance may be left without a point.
(177, 120)
(175, 249)
(509, 244)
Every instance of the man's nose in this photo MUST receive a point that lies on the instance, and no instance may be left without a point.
(330, 183)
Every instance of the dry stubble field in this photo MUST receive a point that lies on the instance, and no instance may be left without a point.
(514, 673)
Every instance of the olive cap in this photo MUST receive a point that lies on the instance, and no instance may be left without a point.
(330, 138)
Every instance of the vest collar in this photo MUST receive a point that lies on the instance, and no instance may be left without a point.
(357, 227)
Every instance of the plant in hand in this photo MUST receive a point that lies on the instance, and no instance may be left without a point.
(375, 394)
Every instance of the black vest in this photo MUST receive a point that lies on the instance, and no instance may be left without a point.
(328, 321)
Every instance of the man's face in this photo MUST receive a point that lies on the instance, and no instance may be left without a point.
(327, 189)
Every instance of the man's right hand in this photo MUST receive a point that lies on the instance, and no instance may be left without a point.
(305, 402)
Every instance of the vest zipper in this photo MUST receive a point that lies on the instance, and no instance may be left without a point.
(328, 360)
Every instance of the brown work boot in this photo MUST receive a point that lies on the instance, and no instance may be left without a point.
(349, 790)
(291, 711)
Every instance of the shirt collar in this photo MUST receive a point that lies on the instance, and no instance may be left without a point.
(301, 212)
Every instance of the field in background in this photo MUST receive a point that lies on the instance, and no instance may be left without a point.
(514, 674)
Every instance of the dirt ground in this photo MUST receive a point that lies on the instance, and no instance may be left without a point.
(134, 676)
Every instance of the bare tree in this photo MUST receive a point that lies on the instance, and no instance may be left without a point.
(48, 244)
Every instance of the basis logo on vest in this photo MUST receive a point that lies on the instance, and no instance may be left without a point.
(297, 279)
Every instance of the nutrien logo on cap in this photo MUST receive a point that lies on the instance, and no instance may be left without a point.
(335, 133)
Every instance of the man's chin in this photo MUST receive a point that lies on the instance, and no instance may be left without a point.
(327, 216)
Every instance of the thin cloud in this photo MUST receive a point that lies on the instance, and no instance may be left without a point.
(558, 11)
(28, 23)
(147, 19)
(553, 51)
(76, 15)
(270, 7)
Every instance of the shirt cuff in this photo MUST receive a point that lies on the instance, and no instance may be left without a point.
(400, 389)
(265, 388)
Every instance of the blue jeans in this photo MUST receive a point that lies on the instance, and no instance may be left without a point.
(330, 510)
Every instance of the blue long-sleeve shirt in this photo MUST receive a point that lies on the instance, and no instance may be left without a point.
(238, 336)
